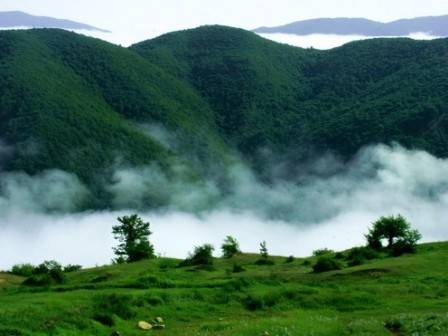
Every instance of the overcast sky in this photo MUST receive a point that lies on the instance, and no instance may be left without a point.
(141, 19)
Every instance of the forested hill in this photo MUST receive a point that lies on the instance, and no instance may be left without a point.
(287, 98)
(82, 105)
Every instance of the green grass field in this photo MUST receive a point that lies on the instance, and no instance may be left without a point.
(390, 296)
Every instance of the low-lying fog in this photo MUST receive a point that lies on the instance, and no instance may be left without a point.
(317, 41)
(322, 210)
(326, 41)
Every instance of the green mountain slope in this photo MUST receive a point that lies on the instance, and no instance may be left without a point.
(83, 105)
(406, 296)
(75, 103)
(288, 98)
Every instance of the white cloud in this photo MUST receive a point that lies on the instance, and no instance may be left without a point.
(325, 41)
(136, 20)
(331, 212)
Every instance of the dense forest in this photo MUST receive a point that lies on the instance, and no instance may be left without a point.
(83, 105)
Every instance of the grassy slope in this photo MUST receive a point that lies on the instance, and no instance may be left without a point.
(355, 301)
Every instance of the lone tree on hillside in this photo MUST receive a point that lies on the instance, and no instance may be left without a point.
(230, 247)
(133, 236)
(397, 231)
(264, 250)
(264, 254)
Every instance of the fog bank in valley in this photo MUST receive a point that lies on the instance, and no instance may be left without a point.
(326, 41)
(316, 210)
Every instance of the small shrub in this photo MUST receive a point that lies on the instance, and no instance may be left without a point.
(326, 263)
(72, 268)
(38, 280)
(105, 319)
(406, 244)
(393, 326)
(253, 303)
(358, 255)
(356, 261)
(322, 252)
(306, 262)
(202, 255)
(339, 255)
(114, 304)
(155, 300)
(264, 262)
(290, 259)
(24, 270)
(47, 273)
(237, 268)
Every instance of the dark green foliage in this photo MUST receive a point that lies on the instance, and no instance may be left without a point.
(326, 263)
(11, 332)
(394, 326)
(201, 256)
(133, 234)
(45, 274)
(290, 259)
(397, 232)
(24, 270)
(237, 268)
(154, 300)
(114, 304)
(306, 262)
(264, 262)
(380, 90)
(358, 255)
(339, 255)
(253, 303)
(104, 319)
(72, 268)
(74, 103)
(230, 247)
(406, 244)
(322, 252)
(264, 254)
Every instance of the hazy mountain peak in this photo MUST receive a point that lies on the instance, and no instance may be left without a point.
(433, 25)
(11, 19)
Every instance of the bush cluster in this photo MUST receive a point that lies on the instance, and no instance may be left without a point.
(326, 263)
(202, 256)
(45, 274)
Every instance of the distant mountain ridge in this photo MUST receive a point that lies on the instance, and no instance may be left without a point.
(13, 19)
(433, 25)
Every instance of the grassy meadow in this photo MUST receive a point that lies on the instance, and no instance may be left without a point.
(407, 295)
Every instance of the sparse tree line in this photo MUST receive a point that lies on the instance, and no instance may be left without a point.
(387, 237)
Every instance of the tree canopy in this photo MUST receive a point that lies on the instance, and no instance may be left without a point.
(133, 236)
